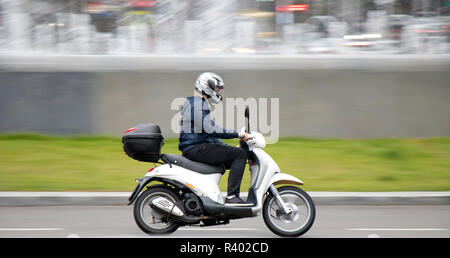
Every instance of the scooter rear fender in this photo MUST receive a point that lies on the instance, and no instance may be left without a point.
(147, 180)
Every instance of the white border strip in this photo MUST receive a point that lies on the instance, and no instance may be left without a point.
(30, 229)
(397, 229)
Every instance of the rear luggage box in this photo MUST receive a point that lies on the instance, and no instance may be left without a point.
(143, 142)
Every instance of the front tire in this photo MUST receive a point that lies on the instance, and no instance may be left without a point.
(299, 221)
(149, 220)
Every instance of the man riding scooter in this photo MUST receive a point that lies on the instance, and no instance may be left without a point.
(199, 135)
(188, 192)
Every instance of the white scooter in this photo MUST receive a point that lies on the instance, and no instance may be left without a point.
(184, 192)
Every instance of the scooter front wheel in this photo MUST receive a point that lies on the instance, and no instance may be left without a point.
(295, 223)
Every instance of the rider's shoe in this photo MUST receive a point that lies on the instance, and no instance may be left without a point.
(235, 201)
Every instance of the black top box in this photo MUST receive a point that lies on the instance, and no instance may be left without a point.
(143, 142)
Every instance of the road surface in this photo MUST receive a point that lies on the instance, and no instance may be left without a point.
(338, 221)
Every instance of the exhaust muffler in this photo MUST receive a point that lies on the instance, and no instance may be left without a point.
(173, 211)
(166, 206)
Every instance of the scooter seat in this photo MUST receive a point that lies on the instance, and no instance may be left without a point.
(198, 167)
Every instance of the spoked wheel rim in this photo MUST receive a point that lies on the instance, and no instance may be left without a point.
(299, 217)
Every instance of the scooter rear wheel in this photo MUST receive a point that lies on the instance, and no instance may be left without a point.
(149, 220)
(296, 223)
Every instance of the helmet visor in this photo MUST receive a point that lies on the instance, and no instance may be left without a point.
(219, 89)
(218, 95)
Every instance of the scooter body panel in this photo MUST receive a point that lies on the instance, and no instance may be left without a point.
(264, 173)
(267, 169)
(204, 185)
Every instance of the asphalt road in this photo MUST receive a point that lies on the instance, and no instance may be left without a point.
(340, 221)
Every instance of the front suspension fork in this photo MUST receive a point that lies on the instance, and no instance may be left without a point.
(279, 200)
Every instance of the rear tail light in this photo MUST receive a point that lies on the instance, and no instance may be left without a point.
(129, 130)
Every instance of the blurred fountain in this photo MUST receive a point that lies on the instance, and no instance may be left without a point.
(122, 42)
(192, 34)
(138, 34)
(244, 36)
(217, 26)
(44, 39)
(80, 33)
(17, 26)
(211, 27)
(376, 24)
(336, 38)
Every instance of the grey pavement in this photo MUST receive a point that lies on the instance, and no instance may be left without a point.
(334, 221)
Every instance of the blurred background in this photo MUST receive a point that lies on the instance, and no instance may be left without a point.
(363, 86)
(224, 26)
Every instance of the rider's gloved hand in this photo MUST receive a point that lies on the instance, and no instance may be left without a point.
(243, 136)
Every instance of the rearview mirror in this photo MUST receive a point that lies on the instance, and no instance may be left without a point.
(247, 116)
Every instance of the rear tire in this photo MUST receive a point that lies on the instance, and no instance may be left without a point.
(149, 220)
(302, 206)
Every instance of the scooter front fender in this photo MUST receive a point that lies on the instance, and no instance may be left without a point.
(282, 178)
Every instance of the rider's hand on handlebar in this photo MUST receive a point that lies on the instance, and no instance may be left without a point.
(243, 136)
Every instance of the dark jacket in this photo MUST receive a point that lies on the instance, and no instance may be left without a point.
(197, 126)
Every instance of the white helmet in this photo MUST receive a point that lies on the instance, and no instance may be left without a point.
(211, 85)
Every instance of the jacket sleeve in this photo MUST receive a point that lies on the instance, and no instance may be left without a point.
(209, 127)
(214, 130)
